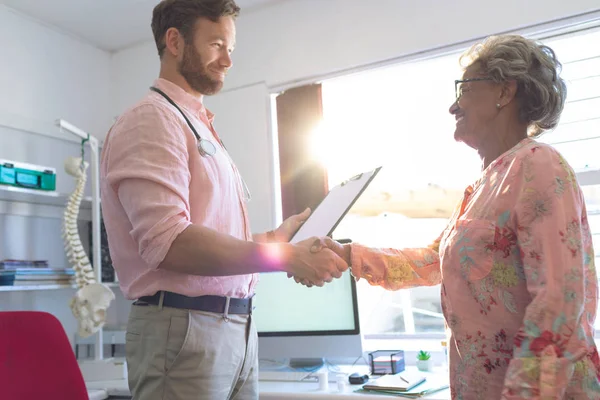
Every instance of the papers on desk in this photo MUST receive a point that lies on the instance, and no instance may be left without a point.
(400, 382)
(405, 384)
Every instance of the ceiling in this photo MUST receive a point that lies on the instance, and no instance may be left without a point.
(107, 24)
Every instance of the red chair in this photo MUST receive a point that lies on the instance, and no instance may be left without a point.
(36, 359)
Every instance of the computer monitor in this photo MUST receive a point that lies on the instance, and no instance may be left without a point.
(306, 325)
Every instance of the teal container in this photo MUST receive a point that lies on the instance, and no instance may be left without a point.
(26, 176)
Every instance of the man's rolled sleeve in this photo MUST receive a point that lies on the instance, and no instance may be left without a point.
(149, 170)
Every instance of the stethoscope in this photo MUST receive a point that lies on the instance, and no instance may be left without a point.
(206, 148)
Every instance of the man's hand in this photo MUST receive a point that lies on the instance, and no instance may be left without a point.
(342, 250)
(289, 227)
(321, 244)
(313, 264)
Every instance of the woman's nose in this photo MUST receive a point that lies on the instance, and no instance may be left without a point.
(454, 108)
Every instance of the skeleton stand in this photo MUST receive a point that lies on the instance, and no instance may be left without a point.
(91, 300)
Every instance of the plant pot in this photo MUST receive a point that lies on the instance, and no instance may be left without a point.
(424, 365)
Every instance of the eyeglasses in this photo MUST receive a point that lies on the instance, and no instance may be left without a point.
(458, 87)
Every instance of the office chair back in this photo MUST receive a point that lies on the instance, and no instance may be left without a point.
(36, 359)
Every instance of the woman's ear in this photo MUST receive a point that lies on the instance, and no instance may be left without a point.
(509, 92)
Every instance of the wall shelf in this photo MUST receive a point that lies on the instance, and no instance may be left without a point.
(24, 202)
(51, 198)
(39, 203)
(26, 288)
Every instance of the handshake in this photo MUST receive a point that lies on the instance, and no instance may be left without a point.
(317, 261)
(311, 262)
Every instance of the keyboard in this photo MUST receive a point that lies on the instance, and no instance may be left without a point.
(286, 376)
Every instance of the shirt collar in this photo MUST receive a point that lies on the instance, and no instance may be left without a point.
(184, 99)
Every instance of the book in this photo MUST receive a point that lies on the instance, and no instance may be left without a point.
(29, 282)
(416, 394)
(400, 382)
(12, 264)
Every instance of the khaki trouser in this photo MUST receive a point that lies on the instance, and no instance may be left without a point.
(176, 354)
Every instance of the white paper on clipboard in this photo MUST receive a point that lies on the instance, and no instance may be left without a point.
(328, 214)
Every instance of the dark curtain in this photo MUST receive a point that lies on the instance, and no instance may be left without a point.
(303, 179)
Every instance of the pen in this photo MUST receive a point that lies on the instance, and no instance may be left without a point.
(403, 379)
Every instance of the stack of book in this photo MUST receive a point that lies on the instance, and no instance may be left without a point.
(33, 272)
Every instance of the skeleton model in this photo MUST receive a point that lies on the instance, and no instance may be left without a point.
(92, 298)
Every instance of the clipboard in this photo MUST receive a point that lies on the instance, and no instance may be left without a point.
(334, 207)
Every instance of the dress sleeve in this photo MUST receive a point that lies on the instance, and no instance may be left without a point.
(558, 262)
(397, 269)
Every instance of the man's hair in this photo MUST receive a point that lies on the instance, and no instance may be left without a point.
(183, 14)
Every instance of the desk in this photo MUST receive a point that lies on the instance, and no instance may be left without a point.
(310, 390)
(270, 390)
(277, 390)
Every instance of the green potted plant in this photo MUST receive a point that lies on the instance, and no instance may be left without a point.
(424, 361)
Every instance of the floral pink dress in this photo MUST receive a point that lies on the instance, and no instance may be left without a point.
(518, 282)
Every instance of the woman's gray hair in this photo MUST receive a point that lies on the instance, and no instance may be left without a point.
(541, 92)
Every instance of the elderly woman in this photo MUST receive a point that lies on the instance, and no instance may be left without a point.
(515, 263)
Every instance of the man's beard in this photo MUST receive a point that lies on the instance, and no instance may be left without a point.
(193, 71)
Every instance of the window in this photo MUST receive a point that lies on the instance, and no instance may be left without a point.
(578, 134)
(398, 117)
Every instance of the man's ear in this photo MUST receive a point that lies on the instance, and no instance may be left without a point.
(174, 43)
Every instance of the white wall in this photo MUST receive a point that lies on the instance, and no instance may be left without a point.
(244, 128)
(132, 71)
(300, 40)
(311, 38)
(46, 75)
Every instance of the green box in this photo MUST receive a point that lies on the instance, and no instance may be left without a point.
(27, 176)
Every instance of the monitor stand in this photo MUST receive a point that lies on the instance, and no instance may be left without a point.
(306, 363)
